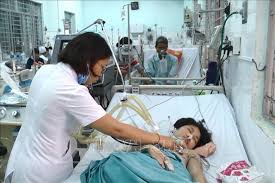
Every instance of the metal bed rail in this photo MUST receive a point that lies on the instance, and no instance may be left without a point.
(167, 90)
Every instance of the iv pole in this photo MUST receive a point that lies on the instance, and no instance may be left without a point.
(129, 31)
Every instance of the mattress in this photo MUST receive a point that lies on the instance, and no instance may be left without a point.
(215, 109)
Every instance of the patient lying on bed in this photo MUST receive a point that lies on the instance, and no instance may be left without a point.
(156, 165)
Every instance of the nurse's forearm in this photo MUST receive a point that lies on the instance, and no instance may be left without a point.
(110, 126)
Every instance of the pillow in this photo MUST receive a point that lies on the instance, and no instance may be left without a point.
(176, 53)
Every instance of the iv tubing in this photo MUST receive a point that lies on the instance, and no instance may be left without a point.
(114, 57)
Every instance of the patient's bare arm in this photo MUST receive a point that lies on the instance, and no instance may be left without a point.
(194, 166)
(195, 169)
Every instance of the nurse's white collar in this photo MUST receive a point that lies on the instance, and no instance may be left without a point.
(67, 68)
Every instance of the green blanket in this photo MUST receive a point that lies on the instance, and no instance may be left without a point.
(135, 167)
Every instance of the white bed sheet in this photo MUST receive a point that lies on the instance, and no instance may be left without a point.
(190, 65)
(216, 111)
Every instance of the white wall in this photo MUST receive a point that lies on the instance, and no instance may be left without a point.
(245, 85)
(168, 15)
(53, 16)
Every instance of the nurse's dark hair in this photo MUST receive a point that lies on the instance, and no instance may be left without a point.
(161, 39)
(85, 49)
(206, 136)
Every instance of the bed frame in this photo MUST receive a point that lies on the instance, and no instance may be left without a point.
(167, 90)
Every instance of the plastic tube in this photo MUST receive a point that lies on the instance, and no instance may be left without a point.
(138, 107)
(134, 103)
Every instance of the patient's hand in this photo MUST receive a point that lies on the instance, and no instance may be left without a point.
(162, 159)
(206, 150)
(187, 154)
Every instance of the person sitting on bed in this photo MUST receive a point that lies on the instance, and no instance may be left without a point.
(156, 164)
(162, 64)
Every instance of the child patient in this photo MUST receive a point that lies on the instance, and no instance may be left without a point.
(156, 164)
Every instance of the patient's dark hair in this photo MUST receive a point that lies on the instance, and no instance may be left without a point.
(85, 49)
(124, 41)
(161, 39)
(205, 134)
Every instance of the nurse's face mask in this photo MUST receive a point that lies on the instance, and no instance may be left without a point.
(83, 78)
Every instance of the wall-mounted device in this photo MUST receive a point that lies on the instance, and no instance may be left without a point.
(134, 5)
(188, 17)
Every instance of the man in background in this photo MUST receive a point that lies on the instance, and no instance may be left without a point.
(34, 59)
(162, 64)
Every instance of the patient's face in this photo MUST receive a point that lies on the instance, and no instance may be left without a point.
(190, 134)
(161, 47)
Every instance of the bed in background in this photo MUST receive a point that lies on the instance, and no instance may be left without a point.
(165, 110)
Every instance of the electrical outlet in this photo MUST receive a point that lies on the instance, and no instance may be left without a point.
(236, 43)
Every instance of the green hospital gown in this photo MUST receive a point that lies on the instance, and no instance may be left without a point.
(135, 167)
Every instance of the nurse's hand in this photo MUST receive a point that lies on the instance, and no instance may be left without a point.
(168, 142)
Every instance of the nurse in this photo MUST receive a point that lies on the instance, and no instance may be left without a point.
(58, 103)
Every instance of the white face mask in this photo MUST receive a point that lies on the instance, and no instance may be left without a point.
(162, 54)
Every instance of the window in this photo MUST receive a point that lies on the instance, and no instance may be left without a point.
(20, 26)
(269, 99)
(69, 23)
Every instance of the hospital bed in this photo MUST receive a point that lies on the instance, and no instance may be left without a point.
(215, 109)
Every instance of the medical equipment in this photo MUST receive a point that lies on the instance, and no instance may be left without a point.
(133, 103)
(138, 107)
(188, 17)
(149, 36)
(179, 148)
(173, 135)
(134, 6)
(166, 90)
(91, 138)
(12, 99)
